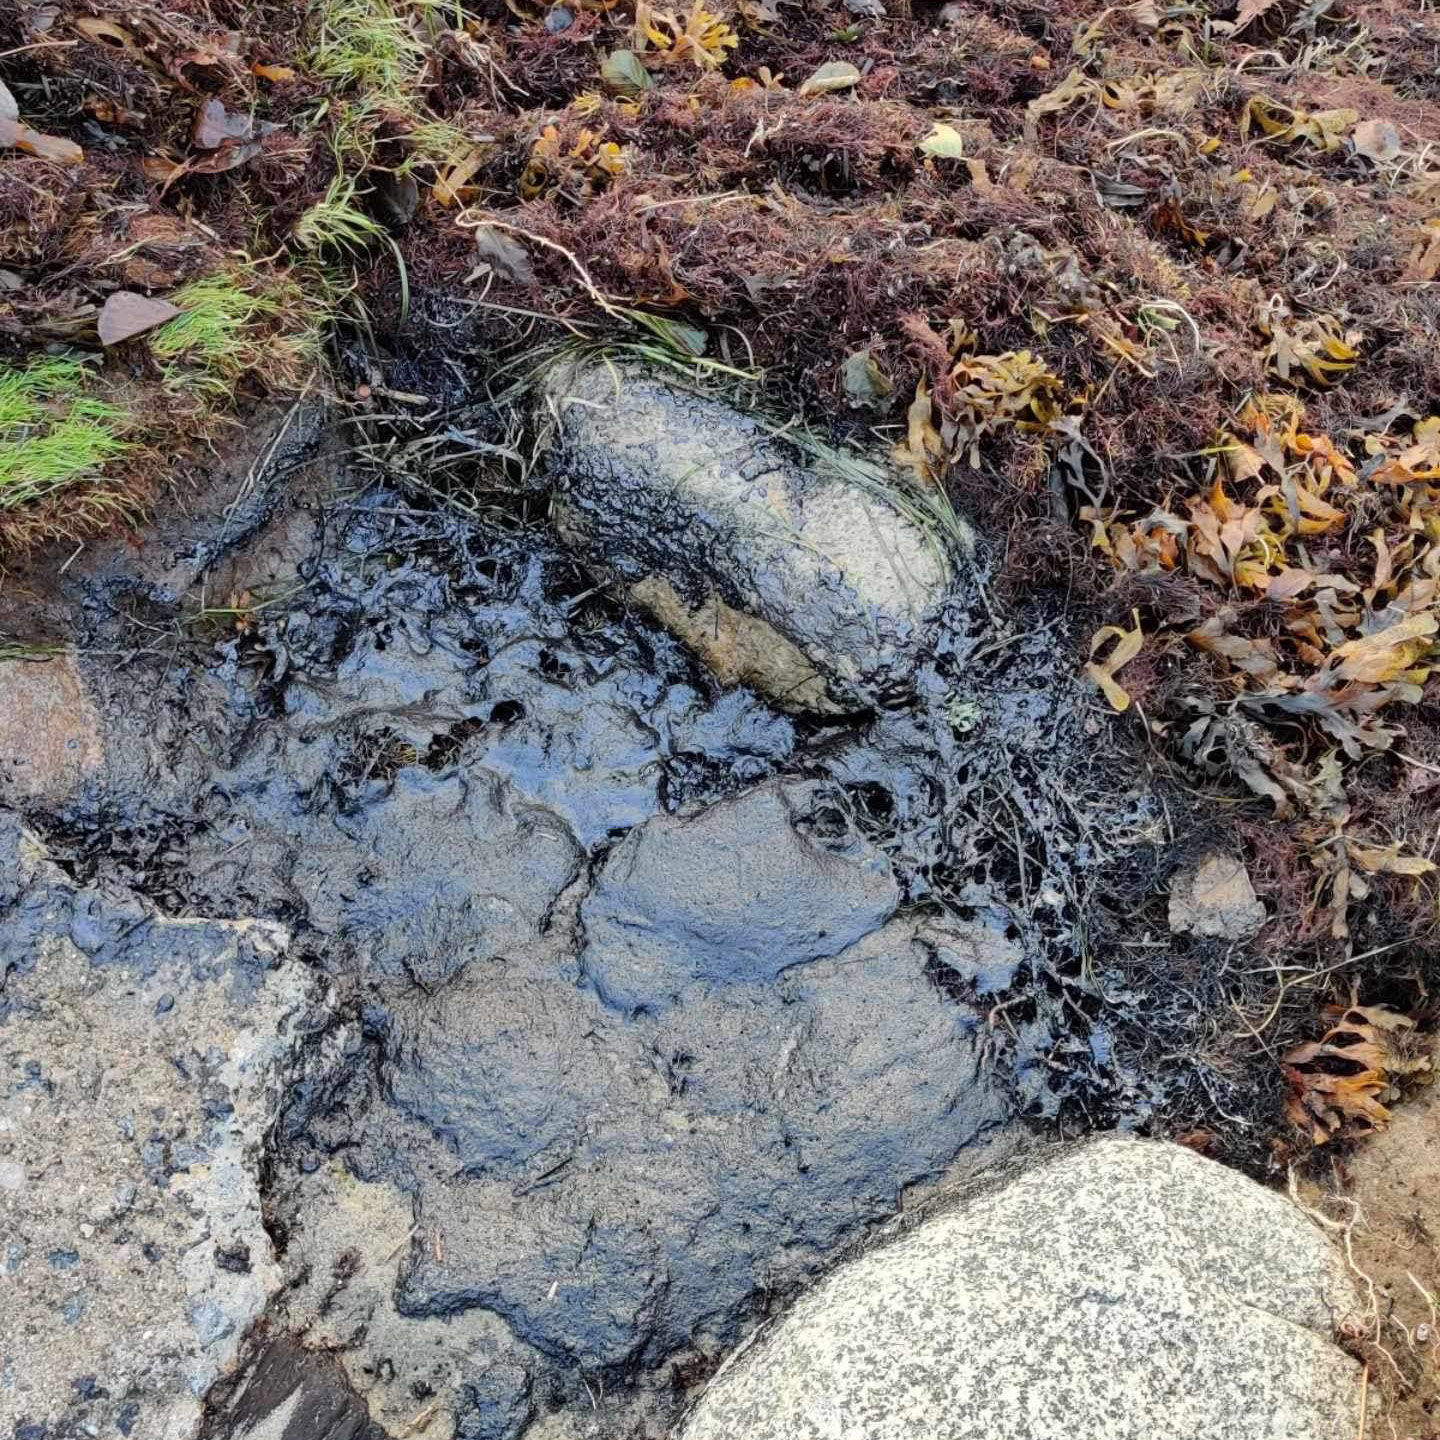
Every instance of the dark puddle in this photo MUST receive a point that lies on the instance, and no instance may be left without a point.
(647, 999)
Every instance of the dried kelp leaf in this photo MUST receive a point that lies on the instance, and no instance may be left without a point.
(1341, 1085)
(1390, 654)
(1388, 860)
(1126, 647)
(1324, 129)
(923, 450)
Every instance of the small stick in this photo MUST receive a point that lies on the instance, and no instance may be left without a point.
(402, 1244)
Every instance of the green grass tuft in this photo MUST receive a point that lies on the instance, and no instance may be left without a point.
(234, 323)
(22, 392)
(52, 433)
(366, 45)
(336, 222)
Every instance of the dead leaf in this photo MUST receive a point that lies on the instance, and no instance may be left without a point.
(1126, 648)
(944, 142)
(1424, 262)
(830, 77)
(162, 168)
(1289, 584)
(1387, 860)
(623, 73)
(864, 381)
(105, 32)
(216, 126)
(506, 257)
(126, 314)
(228, 158)
(1248, 12)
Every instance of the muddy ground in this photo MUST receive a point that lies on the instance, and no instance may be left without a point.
(532, 1161)
(1146, 293)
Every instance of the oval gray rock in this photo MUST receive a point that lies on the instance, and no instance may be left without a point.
(808, 585)
(1124, 1291)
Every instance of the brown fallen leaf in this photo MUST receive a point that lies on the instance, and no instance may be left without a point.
(227, 158)
(1290, 584)
(162, 168)
(1424, 262)
(126, 314)
(1387, 860)
(105, 32)
(1249, 11)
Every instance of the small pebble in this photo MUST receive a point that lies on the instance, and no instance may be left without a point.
(165, 1004)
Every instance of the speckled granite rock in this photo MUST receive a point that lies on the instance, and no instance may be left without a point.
(1125, 1290)
(798, 582)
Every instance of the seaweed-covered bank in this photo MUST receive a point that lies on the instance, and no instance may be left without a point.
(447, 1005)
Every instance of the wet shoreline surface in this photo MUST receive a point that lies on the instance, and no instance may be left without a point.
(635, 1001)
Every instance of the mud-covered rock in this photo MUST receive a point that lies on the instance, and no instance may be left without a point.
(617, 1183)
(737, 894)
(142, 1063)
(1122, 1291)
(50, 740)
(804, 584)
(636, 1182)
(450, 869)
